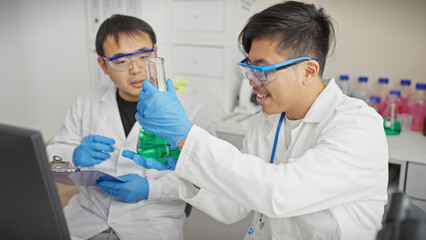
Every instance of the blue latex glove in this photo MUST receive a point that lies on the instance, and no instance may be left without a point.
(162, 114)
(150, 163)
(92, 150)
(133, 189)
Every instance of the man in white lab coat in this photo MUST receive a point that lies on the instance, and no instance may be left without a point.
(314, 161)
(146, 205)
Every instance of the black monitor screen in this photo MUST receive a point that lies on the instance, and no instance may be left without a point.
(29, 203)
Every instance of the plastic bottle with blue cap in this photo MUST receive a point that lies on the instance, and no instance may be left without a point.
(405, 88)
(405, 116)
(362, 92)
(344, 85)
(383, 93)
(374, 102)
(417, 106)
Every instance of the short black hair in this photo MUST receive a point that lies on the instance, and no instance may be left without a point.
(117, 24)
(298, 29)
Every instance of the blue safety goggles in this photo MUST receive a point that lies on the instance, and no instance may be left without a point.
(265, 74)
(124, 62)
(129, 54)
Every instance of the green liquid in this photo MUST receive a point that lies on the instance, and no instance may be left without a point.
(151, 146)
(392, 127)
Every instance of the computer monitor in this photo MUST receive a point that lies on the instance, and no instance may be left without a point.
(30, 207)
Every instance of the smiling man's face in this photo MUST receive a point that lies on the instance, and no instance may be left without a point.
(281, 94)
(129, 83)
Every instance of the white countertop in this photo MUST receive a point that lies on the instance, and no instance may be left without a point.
(407, 146)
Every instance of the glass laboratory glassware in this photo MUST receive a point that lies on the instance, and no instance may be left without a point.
(150, 145)
(391, 122)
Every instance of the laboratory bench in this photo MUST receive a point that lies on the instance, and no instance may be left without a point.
(407, 159)
(407, 165)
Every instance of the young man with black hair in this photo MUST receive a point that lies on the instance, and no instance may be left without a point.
(314, 161)
(146, 205)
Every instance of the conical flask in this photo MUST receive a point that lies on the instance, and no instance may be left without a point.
(150, 145)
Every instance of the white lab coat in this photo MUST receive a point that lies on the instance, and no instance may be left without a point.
(92, 211)
(330, 183)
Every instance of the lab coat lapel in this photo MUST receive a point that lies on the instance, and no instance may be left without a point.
(134, 133)
(302, 135)
(326, 101)
(110, 119)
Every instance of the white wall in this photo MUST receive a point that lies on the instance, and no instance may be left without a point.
(44, 61)
(13, 94)
(376, 38)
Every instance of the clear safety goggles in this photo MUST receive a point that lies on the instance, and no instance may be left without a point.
(265, 74)
(124, 62)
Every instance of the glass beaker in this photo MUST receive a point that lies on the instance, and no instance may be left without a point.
(156, 73)
(391, 122)
(150, 145)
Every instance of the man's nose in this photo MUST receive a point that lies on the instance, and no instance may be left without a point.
(134, 68)
(253, 84)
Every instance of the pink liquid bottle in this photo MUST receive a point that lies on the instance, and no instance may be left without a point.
(374, 102)
(405, 88)
(404, 113)
(417, 105)
(383, 93)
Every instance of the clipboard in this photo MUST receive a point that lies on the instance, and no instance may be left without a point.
(66, 174)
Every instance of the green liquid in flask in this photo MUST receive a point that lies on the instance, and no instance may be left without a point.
(392, 127)
(152, 146)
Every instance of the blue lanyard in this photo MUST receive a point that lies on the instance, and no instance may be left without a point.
(277, 133)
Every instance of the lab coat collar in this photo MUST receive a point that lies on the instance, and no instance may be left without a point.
(273, 120)
(317, 112)
(325, 102)
(110, 115)
(108, 94)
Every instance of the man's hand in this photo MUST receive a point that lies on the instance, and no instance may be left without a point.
(92, 150)
(133, 189)
(150, 163)
(161, 113)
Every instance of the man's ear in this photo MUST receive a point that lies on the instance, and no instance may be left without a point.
(103, 65)
(155, 50)
(311, 71)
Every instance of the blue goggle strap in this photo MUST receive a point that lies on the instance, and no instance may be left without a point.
(274, 66)
(129, 54)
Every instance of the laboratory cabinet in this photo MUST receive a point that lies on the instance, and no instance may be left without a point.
(407, 159)
(202, 16)
(203, 48)
(188, 60)
(415, 183)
